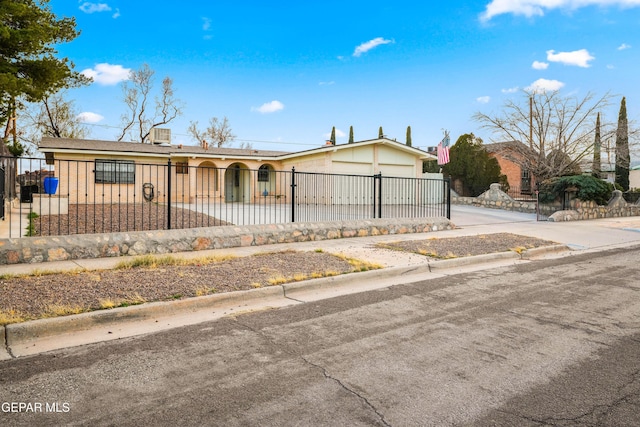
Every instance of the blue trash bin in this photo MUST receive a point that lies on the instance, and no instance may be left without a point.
(50, 185)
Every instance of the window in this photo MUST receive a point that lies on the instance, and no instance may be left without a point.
(263, 173)
(182, 168)
(115, 172)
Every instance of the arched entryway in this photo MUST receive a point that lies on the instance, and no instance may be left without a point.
(207, 180)
(237, 183)
(266, 180)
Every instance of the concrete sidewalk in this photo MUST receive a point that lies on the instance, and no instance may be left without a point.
(400, 267)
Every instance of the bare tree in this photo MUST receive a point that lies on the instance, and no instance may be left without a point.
(218, 133)
(54, 116)
(556, 132)
(142, 116)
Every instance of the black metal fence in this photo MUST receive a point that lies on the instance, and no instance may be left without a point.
(60, 197)
(523, 194)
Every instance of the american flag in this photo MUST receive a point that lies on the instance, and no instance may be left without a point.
(443, 150)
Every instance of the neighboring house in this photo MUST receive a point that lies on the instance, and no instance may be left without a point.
(634, 177)
(510, 156)
(87, 168)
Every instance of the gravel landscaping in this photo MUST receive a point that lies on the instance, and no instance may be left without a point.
(155, 279)
(456, 247)
(148, 278)
(84, 219)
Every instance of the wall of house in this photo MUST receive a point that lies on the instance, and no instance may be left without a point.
(634, 178)
(77, 180)
(393, 162)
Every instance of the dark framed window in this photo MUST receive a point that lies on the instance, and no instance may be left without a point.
(263, 173)
(115, 172)
(182, 168)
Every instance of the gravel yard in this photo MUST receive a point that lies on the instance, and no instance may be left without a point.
(457, 247)
(83, 219)
(48, 295)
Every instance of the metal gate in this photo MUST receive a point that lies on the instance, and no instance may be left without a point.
(2, 192)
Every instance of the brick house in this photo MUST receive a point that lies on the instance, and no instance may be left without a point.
(511, 158)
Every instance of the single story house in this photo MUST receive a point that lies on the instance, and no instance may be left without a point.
(88, 170)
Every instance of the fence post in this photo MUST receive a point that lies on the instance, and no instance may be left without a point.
(293, 194)
(380, 195)
(447, 185)
(169, 195)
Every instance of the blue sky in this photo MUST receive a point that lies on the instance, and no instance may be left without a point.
(285, 72)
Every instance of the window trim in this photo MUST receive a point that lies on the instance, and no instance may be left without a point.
(264, 173)
(120, 171)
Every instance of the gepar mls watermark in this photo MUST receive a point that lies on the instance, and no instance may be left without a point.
(35, 407)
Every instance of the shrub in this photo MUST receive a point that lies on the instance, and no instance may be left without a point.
(589, 188)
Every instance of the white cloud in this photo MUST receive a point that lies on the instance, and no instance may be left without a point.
(530, 8)
(339, 134)
(107, 74)
(269, 107)
(537, 65)
(543, 85)
(116, 14)
(624, 46)
(610, 67)
(579, 58)
(483, 99)
(89, 117)
(511, 90)
(367, 46)
(327, 83)
(206, 24)
(88, 7)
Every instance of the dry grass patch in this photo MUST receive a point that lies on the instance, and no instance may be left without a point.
(11, 316)
(154, 261)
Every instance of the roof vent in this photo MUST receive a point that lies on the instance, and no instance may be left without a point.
(160, 136)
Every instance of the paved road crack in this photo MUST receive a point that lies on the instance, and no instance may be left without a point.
(6, 343)
(325, 373)
(347, 389)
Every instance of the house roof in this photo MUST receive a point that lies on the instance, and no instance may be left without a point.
(78, 146)
(499, 147)
(384, 141)
(96, 146)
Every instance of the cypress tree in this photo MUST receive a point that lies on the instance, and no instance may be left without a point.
(409, 136)
(596, 167)
(350, 134)
(380, 134)
(333, 136)
(622, 148)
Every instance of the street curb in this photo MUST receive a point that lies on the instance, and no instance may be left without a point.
(16, 334)
(536, 252)
(19, 333)
(4, 350)
(477, 259)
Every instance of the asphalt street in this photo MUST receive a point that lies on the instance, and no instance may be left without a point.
(547, 342)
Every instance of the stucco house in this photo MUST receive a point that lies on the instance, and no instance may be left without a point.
(88, 169)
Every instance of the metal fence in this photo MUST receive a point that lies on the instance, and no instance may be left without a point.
(61, 197)
(523, 194)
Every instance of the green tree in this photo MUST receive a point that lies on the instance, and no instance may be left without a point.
(409, 136)
(351, 135)
(333, 136)
(596, 166)
(29, 69)
(471, 164)
(380, 133)
(622, 148)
